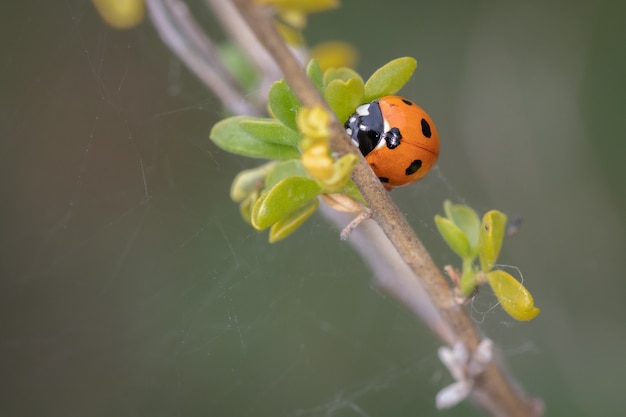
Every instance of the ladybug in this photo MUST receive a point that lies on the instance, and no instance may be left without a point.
(397, 138)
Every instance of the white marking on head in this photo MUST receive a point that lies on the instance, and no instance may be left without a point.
(363, 109)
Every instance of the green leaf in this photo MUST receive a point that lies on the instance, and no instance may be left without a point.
(238, 64)
(490, 238)
(343, 74)
(389, 78)
(271, 130)
(466, 219)
(454, 237)
(352, 191)
(284, 198)
(514, 298)
(229, 135)
(284, 169)
(343, 168)
(245, 207)
(284, 104)
(314, 72)
(286, 226)
(344, 96)
(249, 181)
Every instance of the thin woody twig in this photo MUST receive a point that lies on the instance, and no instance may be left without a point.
(492, 389)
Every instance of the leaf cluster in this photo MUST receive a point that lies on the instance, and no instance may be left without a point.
(471, 238)
(282, 193)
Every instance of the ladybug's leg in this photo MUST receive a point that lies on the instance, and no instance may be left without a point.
(392, 137)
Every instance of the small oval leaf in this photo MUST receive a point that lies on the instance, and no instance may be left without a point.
(454, 237)
(286, 226)
(229, 135)
(282, 170)
(514, 298)
(249, 181)
(238, 64)
(314, 72)
(245, 207)
(283, 104)
(313, 123)
(389, 78)
(466, 219)
(344, 97)
(342, 170)
(280, 201)
(490, 239)
(270, 130)
(318, 162)
(121, 14)
(342, 73)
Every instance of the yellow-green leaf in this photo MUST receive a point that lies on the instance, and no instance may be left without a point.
(466, 219)
(249, 181)
(286, 226)
(514, 298)
(454, 237)
(270, 130)
(245, 207)
(229, 135)
(490, 238)
(344, 97)
(314, 72)
(389, 78)
(342, 73)
(283, 104)
(282, 170)
(287, 196)
(123, 14)
(342, 170)
(313, 123)
(238, 64)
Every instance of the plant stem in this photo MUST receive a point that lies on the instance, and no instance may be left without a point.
(183, 35)
(493, 390)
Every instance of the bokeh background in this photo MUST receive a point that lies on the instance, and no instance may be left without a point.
(130, 286)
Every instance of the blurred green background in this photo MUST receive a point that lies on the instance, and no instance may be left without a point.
(130, 286)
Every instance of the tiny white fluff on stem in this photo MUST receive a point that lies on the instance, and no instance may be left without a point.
(464, 369)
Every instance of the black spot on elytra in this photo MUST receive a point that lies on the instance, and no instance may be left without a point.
(383, 179)
(412, 169)
(407, 102)
(426, 128)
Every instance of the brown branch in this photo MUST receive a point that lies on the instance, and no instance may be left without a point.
(493, 389)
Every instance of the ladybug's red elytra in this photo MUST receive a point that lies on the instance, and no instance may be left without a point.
(397, 138)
